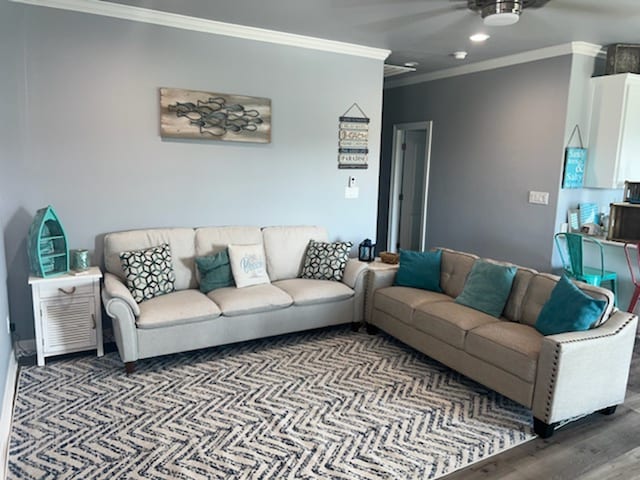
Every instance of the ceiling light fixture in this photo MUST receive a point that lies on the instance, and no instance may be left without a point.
(479, 37)
(459, 55)
(502, 12)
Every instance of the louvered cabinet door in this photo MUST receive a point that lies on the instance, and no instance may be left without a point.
(68, 325)
(67, 313)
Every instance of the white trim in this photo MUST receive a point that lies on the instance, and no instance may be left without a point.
(155, 17)
(7, 412)
(579, 48)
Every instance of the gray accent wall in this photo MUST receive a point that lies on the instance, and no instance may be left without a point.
(11, 121)
(93, 149)
(496, 135)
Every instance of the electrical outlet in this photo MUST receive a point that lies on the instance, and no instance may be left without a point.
(539, 198)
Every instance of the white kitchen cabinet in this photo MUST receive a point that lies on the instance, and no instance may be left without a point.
(67, 313)
(614, 140)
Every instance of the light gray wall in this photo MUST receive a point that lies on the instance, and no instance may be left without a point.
(496, 135)
(10, 157)
(95, 154)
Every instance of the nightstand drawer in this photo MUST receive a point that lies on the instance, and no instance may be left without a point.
(68, 289)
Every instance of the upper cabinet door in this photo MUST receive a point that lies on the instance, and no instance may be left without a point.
(614, 140)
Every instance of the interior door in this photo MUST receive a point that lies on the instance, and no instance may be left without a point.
(412, 189)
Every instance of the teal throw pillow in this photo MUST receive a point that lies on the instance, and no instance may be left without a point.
(487, 287)
(215, 271)
(569, 309)
(419, 270)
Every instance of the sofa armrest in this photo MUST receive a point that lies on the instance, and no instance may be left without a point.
(120, 307)
(582, 372)
(355, 274)
(376, 279)
(116, 289)
(354, 271)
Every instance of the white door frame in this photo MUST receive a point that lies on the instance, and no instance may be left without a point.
(395, 186)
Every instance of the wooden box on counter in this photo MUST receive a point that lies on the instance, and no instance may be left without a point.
(624, 222)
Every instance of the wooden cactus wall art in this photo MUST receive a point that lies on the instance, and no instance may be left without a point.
(214, 116)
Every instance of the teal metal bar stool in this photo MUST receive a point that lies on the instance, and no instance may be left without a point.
(573, 248)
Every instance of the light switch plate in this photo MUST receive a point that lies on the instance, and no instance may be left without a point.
(539, 198)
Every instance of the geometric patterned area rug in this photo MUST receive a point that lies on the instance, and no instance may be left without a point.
(328, 403)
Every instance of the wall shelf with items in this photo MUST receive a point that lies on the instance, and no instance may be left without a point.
(614, 141)
(47, 244)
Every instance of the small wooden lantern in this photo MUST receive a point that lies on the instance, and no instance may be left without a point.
(367, 251)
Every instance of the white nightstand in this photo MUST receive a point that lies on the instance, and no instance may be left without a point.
(67, 313)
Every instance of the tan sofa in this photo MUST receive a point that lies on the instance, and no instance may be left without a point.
(558, 377)
(188, 319)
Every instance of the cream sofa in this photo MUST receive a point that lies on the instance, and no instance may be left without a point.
(558, 377)
(187, 319)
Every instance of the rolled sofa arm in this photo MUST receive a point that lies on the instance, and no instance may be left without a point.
(582, 372)
(376, 279)
(354, 276)
(122, 308)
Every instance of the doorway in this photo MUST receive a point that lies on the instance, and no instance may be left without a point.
(409, 187)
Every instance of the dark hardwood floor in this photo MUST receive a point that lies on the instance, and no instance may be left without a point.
(596, 447)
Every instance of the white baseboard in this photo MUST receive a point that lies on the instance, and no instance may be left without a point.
(7, 412)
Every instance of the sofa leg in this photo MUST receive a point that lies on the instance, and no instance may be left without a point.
(371, 329)
(129, 367)
(608, 410)
(543, 430)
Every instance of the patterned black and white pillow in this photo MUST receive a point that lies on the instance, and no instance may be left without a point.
(326, 261)
(149, 272)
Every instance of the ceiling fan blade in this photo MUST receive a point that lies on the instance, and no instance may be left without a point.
(600, 8)
(403, 21)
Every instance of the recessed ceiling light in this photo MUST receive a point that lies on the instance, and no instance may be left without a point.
(411, 64)
(479, 37)
(459, 55)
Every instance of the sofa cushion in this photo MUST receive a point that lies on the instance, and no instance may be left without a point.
(419, 270)
(149, 272)
(310, 292)
(449, 321)
(210, 240)
(568, 310)
(175, 308)
(488, 286)
(248, 265)
(285, 248)
(454, 268)
(215, 271)
(256, 298)
(326, 261)
(400, 302)
(513, 308)
(182, 251)
(510, 346)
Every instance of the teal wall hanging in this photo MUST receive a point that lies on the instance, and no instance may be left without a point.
(574, 163)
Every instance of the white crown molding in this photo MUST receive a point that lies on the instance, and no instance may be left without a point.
(6, 412)
(578, 48)
(155, 17)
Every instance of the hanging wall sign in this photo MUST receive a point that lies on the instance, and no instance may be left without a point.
(353, 139)
(574, 163)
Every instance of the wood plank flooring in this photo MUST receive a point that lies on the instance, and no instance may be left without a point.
(596, 447)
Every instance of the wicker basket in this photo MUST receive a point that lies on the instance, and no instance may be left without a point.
(389, 257)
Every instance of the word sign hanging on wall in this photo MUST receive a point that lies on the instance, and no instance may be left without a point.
(574, 163)
(353, 140)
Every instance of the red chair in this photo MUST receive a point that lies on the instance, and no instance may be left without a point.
(636, 281)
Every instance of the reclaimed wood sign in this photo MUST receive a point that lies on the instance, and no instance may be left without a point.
(353, 140)
(214, 116)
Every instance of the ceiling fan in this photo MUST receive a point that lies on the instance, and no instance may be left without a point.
(496, 13)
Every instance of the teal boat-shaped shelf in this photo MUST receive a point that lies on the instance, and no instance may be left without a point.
(47, 245)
